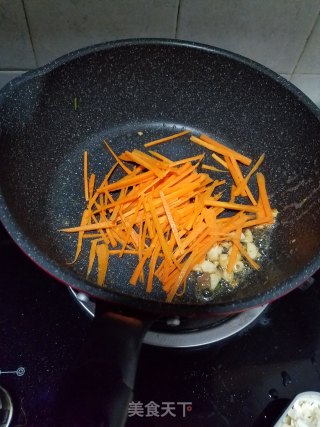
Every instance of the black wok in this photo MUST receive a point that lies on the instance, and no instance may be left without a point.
(157, 87)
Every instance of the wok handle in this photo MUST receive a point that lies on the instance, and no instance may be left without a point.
(99, 388)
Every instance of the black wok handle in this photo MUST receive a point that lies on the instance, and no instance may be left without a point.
(98, 390)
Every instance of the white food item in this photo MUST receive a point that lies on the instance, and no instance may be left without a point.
(252, 250)
(208, 266)
(248, 237)
(226, 245)
(239, 266)
(228, 276)
(214, 279)
(214, 253)
(217, 260)
(223, 260)
(304, 411)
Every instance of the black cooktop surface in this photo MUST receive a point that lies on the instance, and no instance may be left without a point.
(245, 380)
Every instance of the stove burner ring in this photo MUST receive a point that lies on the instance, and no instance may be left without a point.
(6, 408)
(183, 339)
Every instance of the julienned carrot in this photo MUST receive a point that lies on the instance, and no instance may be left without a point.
(91, 185)
(167, 213)
(84, 221)
(243, 183)
(239, 174)
(234, 251)
(124, 167)
(171, 220)
(244, 190)
(160, 156)
(167, 138)
(226, 150)
(103, 259)
(232, 206)
(219, 160)
(85, 175)
(263, 194)
(89, 227)
(212, 168)
(232, 170)
(245, 254)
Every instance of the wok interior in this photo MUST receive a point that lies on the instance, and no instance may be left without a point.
(157, 89)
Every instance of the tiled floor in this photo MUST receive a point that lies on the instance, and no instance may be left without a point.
(281, 34)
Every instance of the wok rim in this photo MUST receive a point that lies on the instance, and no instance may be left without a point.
(70, 278)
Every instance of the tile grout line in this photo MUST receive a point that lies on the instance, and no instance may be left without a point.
(304, 46)
(29, 32)
(177, 20)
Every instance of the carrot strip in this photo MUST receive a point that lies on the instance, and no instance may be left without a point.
(92, 236)
(244, 182)
(232, 170)
(139, 267)
(127, 251)
(219, 160)
(212, 168)
(84, 221)
(232, 206)
(263, 194)
(187, 267)
(142, 161)
(103, 259)
(222, 149)
(245, 254)
(171, 220)
(259, 221)
(189, 159)
(124, 167)
(238, 172)
(166, 252)
(232, 195)
(167, 138)
(91, 185)
(111, 238)
(89, 227)
(234, 251)
(152, 266)
(243, 190)
(131, 225)
(160, 156)
(128, 181)
(85, 175)
(92, 255)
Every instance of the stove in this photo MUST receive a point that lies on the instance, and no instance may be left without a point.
(172, 333)
(244, 375)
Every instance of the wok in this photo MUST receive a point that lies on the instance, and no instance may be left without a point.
(49, 116)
